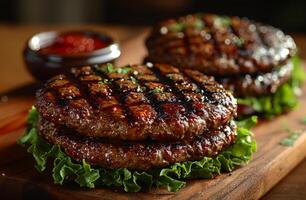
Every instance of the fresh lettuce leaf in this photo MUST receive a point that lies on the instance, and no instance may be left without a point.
(247, 123)
(298, 74)
(172, 177)
(32, 117)
(284, 99)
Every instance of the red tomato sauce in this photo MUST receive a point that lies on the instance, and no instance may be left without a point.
(74, 43)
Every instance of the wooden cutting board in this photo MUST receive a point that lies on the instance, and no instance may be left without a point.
(19, 179)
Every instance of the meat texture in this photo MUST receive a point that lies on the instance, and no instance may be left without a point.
(259, 84)
(136, 102)
(113, 154)
(219, 45)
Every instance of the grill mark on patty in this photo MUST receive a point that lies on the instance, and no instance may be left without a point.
(229, 29)
(181, 98)
(86, 78)
(209, 22)
(242, 47)
(267, 58)
(261, 35)
(203, 81)
(119, 96)
(82, 85)
(244, 32)
(169, 115)
(152, 102)
(261, 51)
(62, 93)
(200, 90)
(116, 93)
(203, 91)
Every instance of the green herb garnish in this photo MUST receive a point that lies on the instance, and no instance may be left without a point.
(238, 41)
(65, 169)
(140, 89)
(222, 21)
(290, 140)
(123, 70)
(133, 79)
(180, 26)
(176, 27)
(104, 82)
(198, 24)
(170, 75)
(156, 90)
(109, 68)
(304, 120)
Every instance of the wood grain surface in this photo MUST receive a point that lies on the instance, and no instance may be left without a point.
(19, 180)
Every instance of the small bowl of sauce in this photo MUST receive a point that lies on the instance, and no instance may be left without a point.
(50, 53)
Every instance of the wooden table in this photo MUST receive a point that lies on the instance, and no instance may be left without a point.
(13, 75)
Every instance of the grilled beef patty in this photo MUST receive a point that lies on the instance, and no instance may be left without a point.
(136, 102)
(113, 154)
(259, 84)
(219, 45)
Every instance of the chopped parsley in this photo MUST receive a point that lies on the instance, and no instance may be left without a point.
(198, 24)
(170, 75)
(106, 69)
(176, 27)
(104, 82)
(140, 89)
(290, 139)
(238, 41)
(222, 21)
(123, 70)
(304, 120)
(156, 90)
(109, 68)
(133, 79)
(180, 26)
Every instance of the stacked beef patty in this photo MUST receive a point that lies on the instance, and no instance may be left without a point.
(136, 117)
(249, 58)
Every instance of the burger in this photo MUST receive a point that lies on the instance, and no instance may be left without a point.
(135, 127)
(257, 62)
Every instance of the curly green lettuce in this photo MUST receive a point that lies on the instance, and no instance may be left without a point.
(172, 177)
(284, 99)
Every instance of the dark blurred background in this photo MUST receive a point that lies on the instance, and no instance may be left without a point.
(287, 15)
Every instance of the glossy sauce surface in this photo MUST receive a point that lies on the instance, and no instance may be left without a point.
(74, 43)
